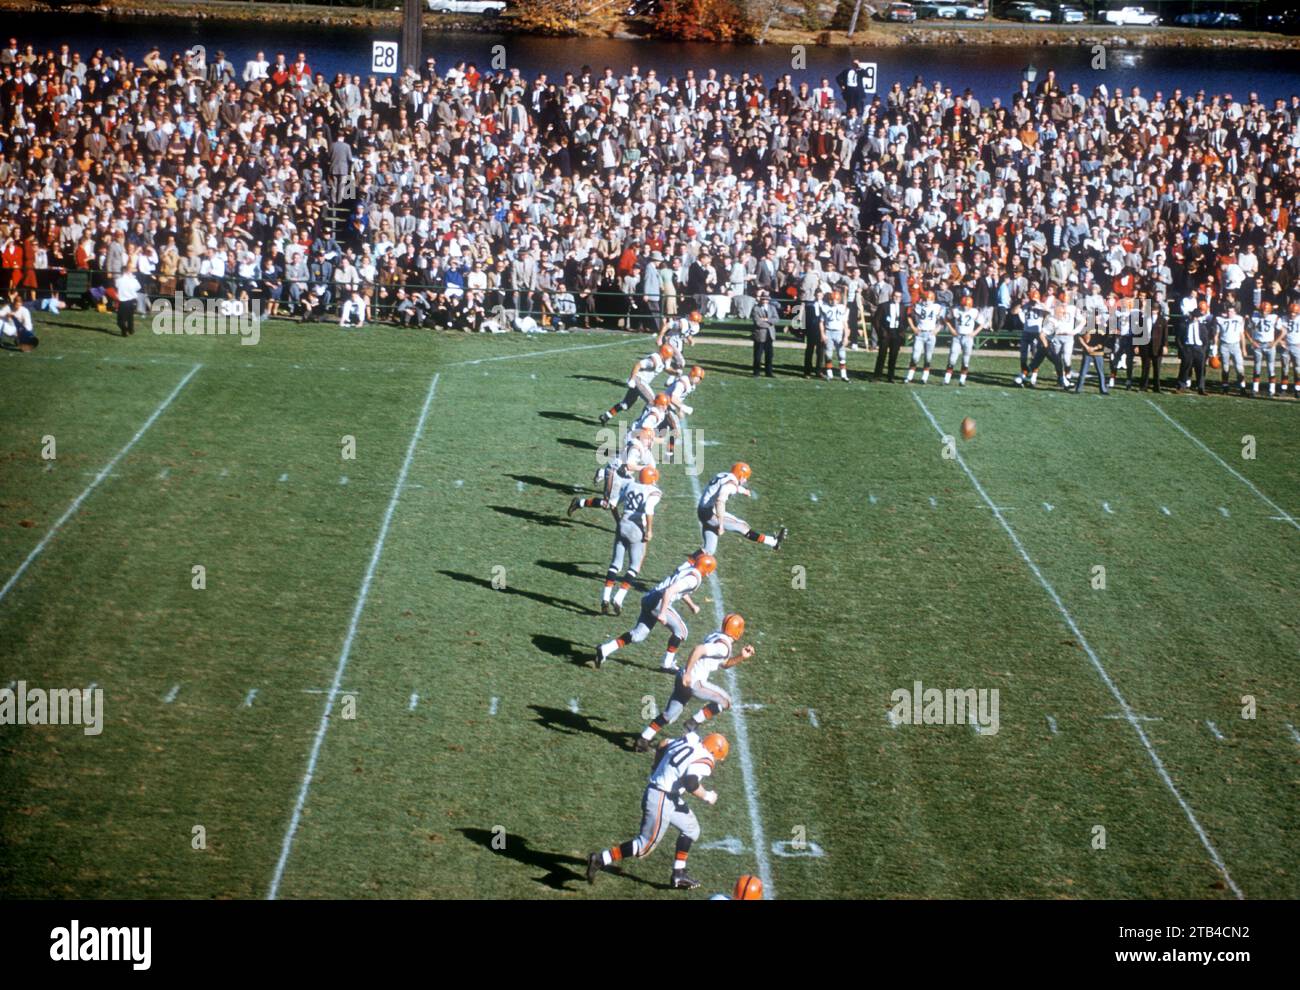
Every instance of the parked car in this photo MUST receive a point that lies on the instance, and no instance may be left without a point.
(971, 11)
(947, 12)
(1129, 15)
(1026, 12)
(466, 6)
(1064, 13)
(903, 12)
(1209, 19)
(926, 9)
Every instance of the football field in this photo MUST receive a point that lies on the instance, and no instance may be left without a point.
(377, 684)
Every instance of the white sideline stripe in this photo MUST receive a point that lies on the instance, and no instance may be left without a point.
(742, 736)
(415, 700)
(492, 706)
(1215, 729)
(346, 652)
(170, 696)
(1226, 466)
(1096, 663)
(1140, 718)
(553, 350)
(248, 698)
(1051, 724)
(104, 472)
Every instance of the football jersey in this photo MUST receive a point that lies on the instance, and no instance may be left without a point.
(717, 650)
(724, 484)
(1292, 326)
(927, 316)
(652, 417)
(636, 455)
(1263, 329)
(1033, 317)
(679, 388)
(836, 317)
(681, 758)
(965, 320)
(647, 369)
(637, 502)
(682, 581)
(1230, 329)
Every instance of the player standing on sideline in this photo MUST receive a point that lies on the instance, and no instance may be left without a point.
(634, 528)
(924, 324)
(1290, 325)
(679, 770)
(693, 682)
(657, 607)
(1033, 342)
(965, 324)
(639, 383)
(638, 453)
(1264, 336)
(835, 323)
(713, 515)
(1228, 333)
(1123, 325)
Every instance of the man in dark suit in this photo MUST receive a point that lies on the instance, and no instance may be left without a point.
(889, 321)
(764, 317)
(1195, 336)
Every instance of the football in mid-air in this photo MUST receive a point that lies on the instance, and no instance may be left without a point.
(967, 428)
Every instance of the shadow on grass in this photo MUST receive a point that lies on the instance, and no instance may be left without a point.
(573, 417)
(573, 723)
(535, 596)
(536, 482)
(598, 378)
(541, 518)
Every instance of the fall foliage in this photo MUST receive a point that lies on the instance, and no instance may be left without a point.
(702, 20)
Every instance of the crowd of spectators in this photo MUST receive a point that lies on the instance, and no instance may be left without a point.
(458, 197)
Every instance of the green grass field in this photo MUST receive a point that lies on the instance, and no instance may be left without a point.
(473, 713)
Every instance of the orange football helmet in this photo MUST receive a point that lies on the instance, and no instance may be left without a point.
(716, 743)
(666, 352)
(734, 625)
(649, 475)
(706, 563)
(741, 470)
(697, 373)
(662, 400)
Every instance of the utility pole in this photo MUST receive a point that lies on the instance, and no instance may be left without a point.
(411, 38)
(853, 21)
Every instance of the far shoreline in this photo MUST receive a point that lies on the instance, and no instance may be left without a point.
(870, 34)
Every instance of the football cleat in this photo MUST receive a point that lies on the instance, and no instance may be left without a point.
(642, 745)
(684, 881)
(595, 864)
(573, 505)
(604, 607)
(599, 657)
(781, 534)
(616, 608)
(604, 417)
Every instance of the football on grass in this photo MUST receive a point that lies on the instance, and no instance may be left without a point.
(968, 428)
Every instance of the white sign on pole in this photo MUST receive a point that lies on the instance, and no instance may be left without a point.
(383, 57)
(867, 74)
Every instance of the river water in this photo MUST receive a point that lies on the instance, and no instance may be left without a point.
(987, 70)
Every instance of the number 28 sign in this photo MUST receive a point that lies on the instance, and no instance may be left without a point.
(383, 57)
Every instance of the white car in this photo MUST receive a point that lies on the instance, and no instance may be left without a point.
(1130, 15)
(1026, 12)
(946, 11)
(466, 6)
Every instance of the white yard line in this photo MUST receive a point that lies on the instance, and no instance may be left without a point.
(104, 472)
(346, 652)
(1282, 513)
(553, 350)
(1097, 665)
(742, 736)
(492, 706)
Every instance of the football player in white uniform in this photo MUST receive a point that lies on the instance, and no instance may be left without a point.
(677, 389)
(655, 415)
(640, 382)
(713, 515)
(965, 324)
(1034, 343)
(835, 327)
(1229, 332)
(658, 606)
(638, 453)
(1290, 325)
(680, 770)
(924, 320)
(693, 682)
(634, 527)
(678, 333)
(1264, 336)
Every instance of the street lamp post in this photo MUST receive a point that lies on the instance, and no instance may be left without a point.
(411, 37)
